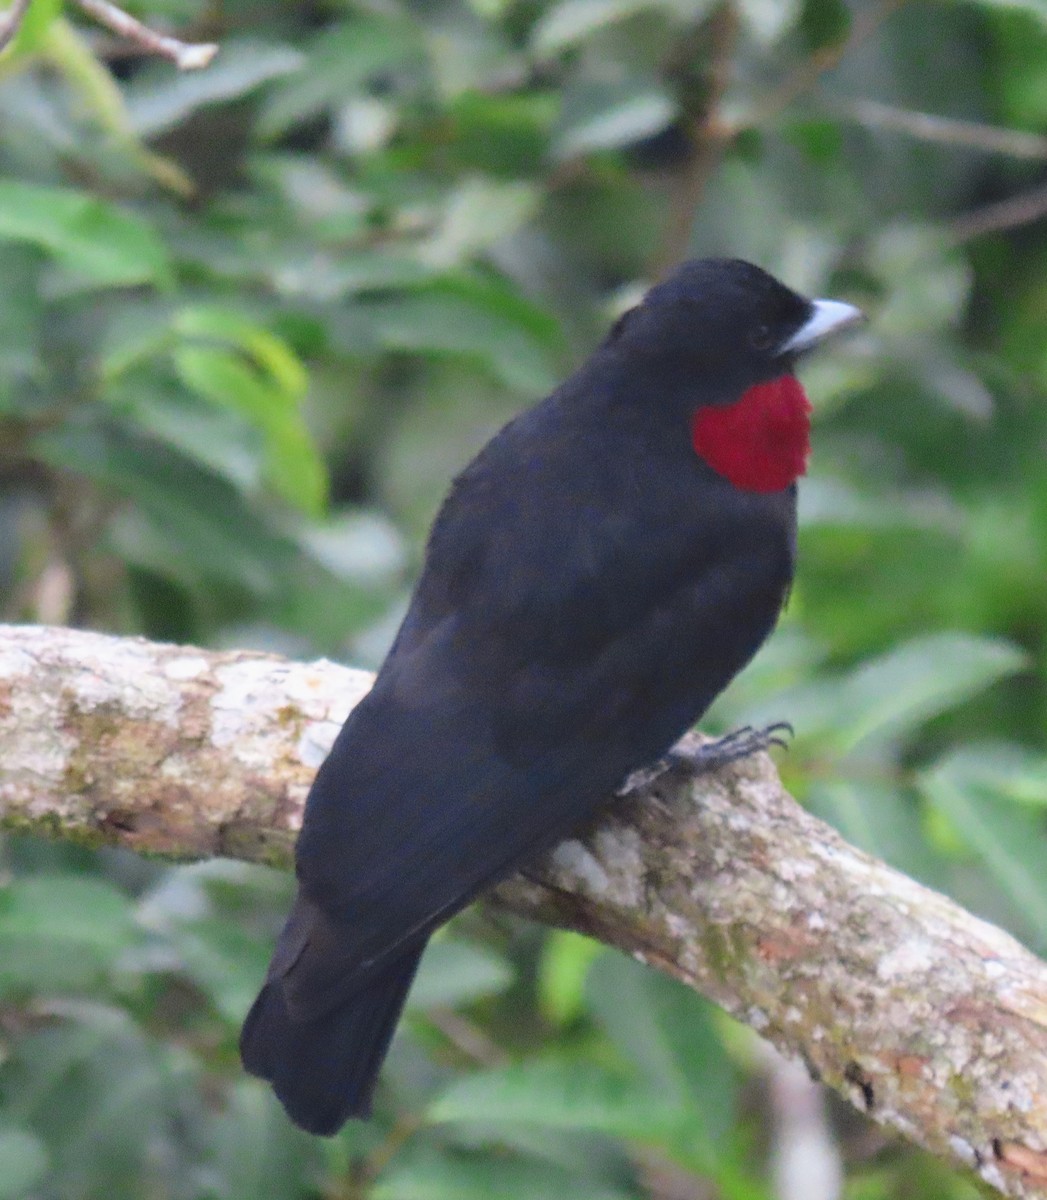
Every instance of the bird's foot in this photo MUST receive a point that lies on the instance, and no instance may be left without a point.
(740, 743)
(697, 760)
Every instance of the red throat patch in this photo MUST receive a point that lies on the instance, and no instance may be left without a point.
(762, 441)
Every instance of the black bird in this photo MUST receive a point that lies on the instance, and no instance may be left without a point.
(596, 576)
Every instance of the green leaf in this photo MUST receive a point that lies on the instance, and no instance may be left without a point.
(271, 353)
(21, 316)
(455, 972)
(161, 99)
(32, 33)
(1020, 54)
(77, 908)
(187, 524)
(824, 23)
(261, 380)
(235, 365)
(568, 22)
(447, 324)
(255, 1151)
(567, 958)
(564, 1095)
(340, 60)
(103, 1092)
(491, 9)
(770, 20)
(899, 691)
(456, 1176)
(891, 696)
(1007, 839)
(223, 378)
(59, 931)
(223, 960)
(305, 272)
(1034, 8)
(23, 1162)
(478, 214)
(506, 135)
(607, 116)
(666, 1030)
(215, 440)
(99, 243)
(928, 279)
(881, 820)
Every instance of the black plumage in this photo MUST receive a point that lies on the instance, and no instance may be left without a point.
(590, 585)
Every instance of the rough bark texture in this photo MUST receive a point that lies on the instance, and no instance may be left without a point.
(927, 1018)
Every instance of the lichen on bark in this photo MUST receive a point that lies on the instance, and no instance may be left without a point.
(925, 1017)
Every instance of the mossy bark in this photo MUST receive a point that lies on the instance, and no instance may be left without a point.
(928, 1019)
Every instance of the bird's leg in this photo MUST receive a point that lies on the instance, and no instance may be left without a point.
(740, 743)
(697, 760)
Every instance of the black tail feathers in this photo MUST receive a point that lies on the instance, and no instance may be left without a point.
(324, 1069)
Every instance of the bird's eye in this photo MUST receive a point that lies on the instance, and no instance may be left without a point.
(760, 338)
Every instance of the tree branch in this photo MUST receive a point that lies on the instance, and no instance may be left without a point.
(11, 22)
(186, 56)
(925, 1017)
(807, 74)
(946, 131)
(706, 138)
(1001, 216)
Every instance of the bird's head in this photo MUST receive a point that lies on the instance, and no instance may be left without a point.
(717, 343)
(729, 323)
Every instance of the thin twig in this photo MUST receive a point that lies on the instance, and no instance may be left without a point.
(805, 1157)
(707, 136)
(407, 1125)
(808, 72)
(187, 56)
(947, 131)
(11, 22)
(711, 133)
(467, 1037)
(1012, 213)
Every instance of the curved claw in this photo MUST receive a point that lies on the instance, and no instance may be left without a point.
(739, 743)
(783, 726)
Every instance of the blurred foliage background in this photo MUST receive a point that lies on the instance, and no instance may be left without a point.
(252, 320)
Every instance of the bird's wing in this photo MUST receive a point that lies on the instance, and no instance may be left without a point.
(542, 660)
(436, 787)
